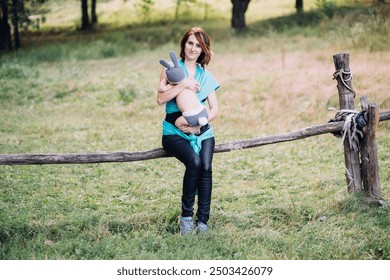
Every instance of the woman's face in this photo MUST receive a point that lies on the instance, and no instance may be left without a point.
(192, 48)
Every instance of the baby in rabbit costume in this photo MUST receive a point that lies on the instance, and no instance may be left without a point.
(192, 110)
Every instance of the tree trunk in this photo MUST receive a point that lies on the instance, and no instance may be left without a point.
(15, 23)
(299, 6)
(94, 19)
(178, 2)
(5, 29)
(84, 15)
(238, 13)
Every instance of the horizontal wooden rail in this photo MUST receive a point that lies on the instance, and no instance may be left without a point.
(122, 156)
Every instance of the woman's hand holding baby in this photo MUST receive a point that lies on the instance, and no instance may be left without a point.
(189, 129)
(192, 84)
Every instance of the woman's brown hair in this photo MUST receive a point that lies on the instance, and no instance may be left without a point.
(204, 42)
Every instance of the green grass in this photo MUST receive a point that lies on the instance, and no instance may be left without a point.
(70, 92)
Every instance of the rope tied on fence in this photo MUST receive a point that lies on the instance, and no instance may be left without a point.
(354, 122)
(340, 73)
(352, 130)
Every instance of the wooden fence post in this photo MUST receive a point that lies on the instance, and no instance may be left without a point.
(368, 151)
(343, 76)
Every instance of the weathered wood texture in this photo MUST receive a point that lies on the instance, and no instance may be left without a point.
(343, 76)
(124, 156)
(19, 159)
(368, 152)
(384, 115)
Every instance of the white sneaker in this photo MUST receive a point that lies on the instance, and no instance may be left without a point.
(186, 225)
(201, 228)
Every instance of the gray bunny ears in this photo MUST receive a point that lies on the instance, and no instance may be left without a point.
(174, 59)
(175, 74)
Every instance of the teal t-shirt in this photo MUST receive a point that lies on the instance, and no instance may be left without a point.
(207, 83)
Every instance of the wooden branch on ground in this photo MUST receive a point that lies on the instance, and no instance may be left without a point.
(102, 157)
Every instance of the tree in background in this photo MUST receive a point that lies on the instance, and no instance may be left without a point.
(179, 5)
(145, 7)
(16, 8)
(238, 13)
(85, 22)
(5, 28)
(84, 15)
(299, 6)
(10, 11)
(93, 12)
(14, 14)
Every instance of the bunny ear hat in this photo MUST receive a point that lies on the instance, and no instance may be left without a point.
(175, 74)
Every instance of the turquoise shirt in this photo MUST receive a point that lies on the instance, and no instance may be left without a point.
(208, 84)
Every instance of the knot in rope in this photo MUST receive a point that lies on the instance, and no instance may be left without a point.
(354, 122)
(340, 73)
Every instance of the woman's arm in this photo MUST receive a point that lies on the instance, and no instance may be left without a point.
(213, 106)
(166, 94)
(164, 85)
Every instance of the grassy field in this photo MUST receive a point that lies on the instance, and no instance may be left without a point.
(72, 92)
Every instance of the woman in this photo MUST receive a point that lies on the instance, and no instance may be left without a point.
(193, 146)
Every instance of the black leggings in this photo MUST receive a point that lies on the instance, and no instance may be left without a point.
(198, 174)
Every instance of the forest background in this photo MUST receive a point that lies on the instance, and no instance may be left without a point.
(69, 89)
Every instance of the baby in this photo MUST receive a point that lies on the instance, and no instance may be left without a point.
(193, 111)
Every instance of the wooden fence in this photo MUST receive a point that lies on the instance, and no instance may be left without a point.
(362, 170)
